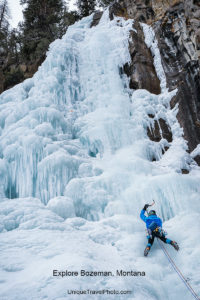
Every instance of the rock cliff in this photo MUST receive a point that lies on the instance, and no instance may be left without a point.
(176, 24)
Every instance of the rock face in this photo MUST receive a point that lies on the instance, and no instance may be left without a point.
(160, 126)
(96, 18)
(141, 71)
(177, 27)
(177, 36)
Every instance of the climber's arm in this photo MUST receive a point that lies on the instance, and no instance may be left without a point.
(142, 215)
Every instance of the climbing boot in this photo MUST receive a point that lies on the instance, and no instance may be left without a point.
(146, 251)
(175, 245)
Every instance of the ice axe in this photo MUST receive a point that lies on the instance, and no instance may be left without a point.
(152, 203)
(147, 205)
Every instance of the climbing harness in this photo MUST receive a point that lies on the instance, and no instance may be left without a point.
(185, 281)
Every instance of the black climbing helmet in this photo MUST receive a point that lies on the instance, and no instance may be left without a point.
(152, 212)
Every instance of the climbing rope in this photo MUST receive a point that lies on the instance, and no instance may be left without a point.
(178, 271)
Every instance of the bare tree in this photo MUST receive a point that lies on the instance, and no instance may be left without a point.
(4, 14)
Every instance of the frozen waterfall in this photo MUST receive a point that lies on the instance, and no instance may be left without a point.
(76, 167)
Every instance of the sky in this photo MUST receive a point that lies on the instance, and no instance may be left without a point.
(16, 11)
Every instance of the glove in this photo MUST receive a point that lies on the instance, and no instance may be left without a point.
(146, 206)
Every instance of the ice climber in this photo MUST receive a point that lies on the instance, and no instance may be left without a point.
(154, 229)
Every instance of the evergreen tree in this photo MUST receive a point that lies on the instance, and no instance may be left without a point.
(41, 26)
(14, 45)
(85, 7)
(44, 21)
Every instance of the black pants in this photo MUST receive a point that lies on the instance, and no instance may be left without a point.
(159, 235)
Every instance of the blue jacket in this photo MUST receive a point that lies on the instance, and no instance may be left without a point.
(150, 219)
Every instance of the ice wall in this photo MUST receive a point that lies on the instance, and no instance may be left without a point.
(45, 135)
(76, 130)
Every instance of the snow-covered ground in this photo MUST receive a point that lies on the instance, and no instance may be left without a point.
(76, 169)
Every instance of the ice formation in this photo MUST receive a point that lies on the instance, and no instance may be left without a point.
(76, 168)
